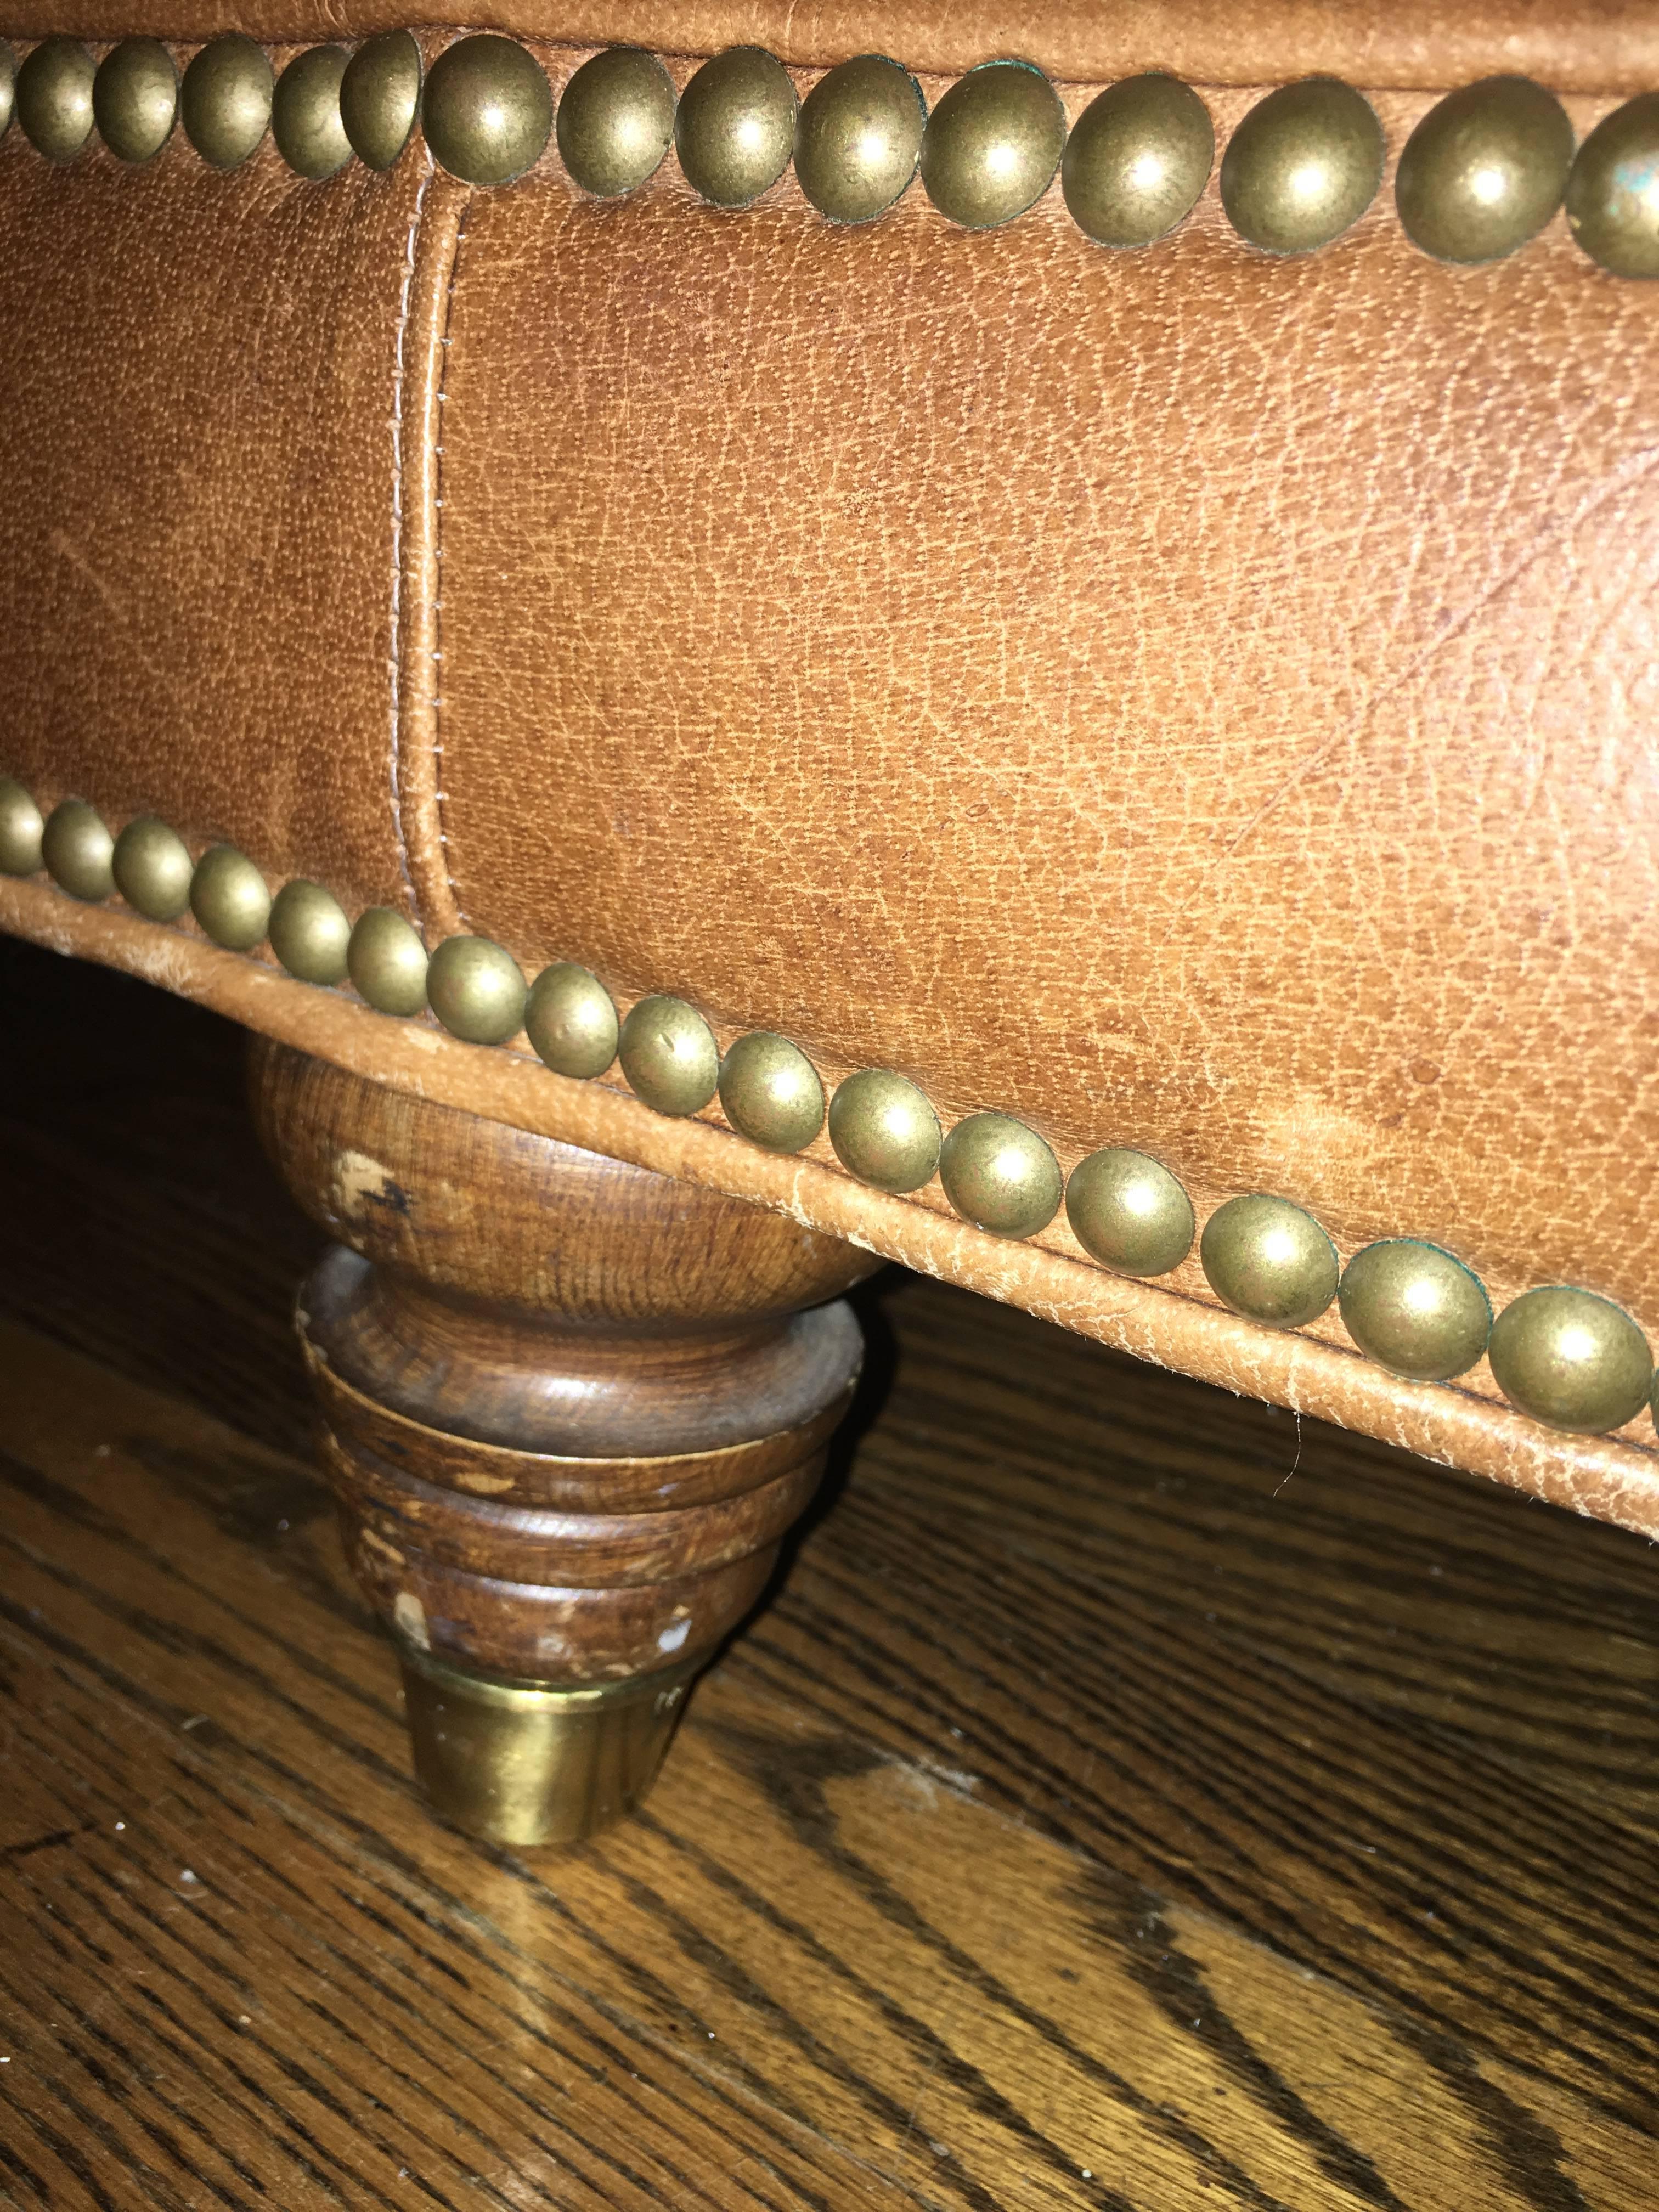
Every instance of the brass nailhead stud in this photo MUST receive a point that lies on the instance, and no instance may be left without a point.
(21, 830)
(487, 110)
(1137, 159)
(386, 962)
(771, 1093)
(883, 1130)
(616, 121)
(305, 113)
(1415, 1310)
(1613, 192)
(8, 87)
(1000, 1176)
(570, 1020)
(735, 129)
(1484, 170)
(54, 98)
(1303, 165)
(134, 99)
(992, 144)
(1129, 1213)
(1571, 1360)
(860, 138)
(309, 933)
(1269, 1260)
(79, 851)
(153, 868)
(380, 97)
(476, 988)
(669, 1055)
(230, 898)
(225, 99)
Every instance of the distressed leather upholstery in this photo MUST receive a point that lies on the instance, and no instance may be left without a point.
(1181, 698)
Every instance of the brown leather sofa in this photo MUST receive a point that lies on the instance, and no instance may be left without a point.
(1128, 675)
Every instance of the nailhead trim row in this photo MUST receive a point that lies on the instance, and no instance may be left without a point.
(1481, 173)
(1565, 1356)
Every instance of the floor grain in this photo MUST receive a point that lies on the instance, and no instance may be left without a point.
(1129, 1800)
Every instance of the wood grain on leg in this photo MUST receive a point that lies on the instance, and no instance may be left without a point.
(571, 1409)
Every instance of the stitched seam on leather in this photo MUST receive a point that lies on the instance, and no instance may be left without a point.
(399, 388)
(446, 343)
(435, 242)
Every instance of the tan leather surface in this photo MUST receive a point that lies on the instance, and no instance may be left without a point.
(1181, 698)
(1185, 699)
(1613, 1478)
(200, 523)
(1575, 46)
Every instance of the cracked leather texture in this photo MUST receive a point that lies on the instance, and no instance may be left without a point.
(199, 528)
(1183, 698)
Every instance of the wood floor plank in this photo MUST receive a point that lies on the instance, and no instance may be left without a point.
(1417, 1588)
(341, 2018)
(1364, 1844)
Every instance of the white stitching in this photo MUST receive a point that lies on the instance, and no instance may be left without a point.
(397, 388)
(446, 341)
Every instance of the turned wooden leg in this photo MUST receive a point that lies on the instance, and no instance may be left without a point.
(572, 1406)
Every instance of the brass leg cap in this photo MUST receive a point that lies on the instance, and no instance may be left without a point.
(529, 1764)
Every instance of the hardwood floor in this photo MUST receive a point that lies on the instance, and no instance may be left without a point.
(1127, 1801)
